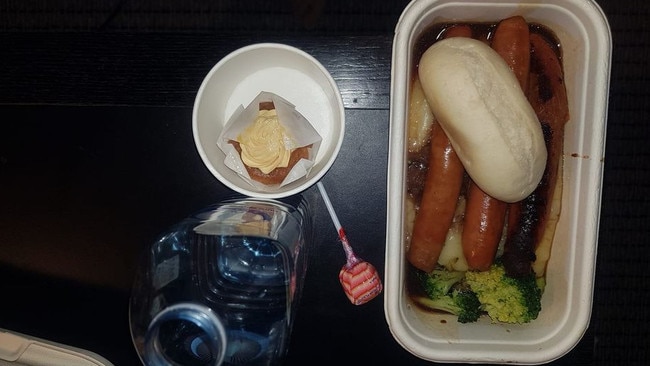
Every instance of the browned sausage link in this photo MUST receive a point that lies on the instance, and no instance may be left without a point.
(549, 98)
(482, 228)
(440, 193)
(547, 95)
(519, 248)
(439, 198)
(511, 41)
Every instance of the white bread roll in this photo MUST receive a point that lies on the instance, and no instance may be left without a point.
(478, 102)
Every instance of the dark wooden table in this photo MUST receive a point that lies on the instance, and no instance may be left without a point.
(97, 158)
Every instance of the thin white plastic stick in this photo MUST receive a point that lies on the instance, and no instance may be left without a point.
(329, 206)
(351, 257)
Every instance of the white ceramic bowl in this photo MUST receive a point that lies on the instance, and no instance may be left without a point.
(567, 301)
(280, 69)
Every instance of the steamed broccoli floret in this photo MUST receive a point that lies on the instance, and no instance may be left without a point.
(460, 302)
(438, 282)
(506, 299)
(446, 292)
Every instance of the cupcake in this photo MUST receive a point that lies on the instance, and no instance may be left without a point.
(269, 143)
(267, 149)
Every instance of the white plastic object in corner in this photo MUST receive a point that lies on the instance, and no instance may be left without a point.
(22, 350)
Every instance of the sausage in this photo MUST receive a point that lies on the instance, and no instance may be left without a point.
(436, 210)
(519, 248)
(511, 41)
(549, 100)
(547, 96)
(482, 228)
(485, 216)
(440, 194)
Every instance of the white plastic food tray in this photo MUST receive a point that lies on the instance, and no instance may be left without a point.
(566, 304)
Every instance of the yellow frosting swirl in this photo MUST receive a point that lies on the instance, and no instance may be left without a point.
(265, 144)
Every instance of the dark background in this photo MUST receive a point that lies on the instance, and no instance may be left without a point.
(97, 158)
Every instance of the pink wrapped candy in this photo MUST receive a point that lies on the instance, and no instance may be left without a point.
(360, 281)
